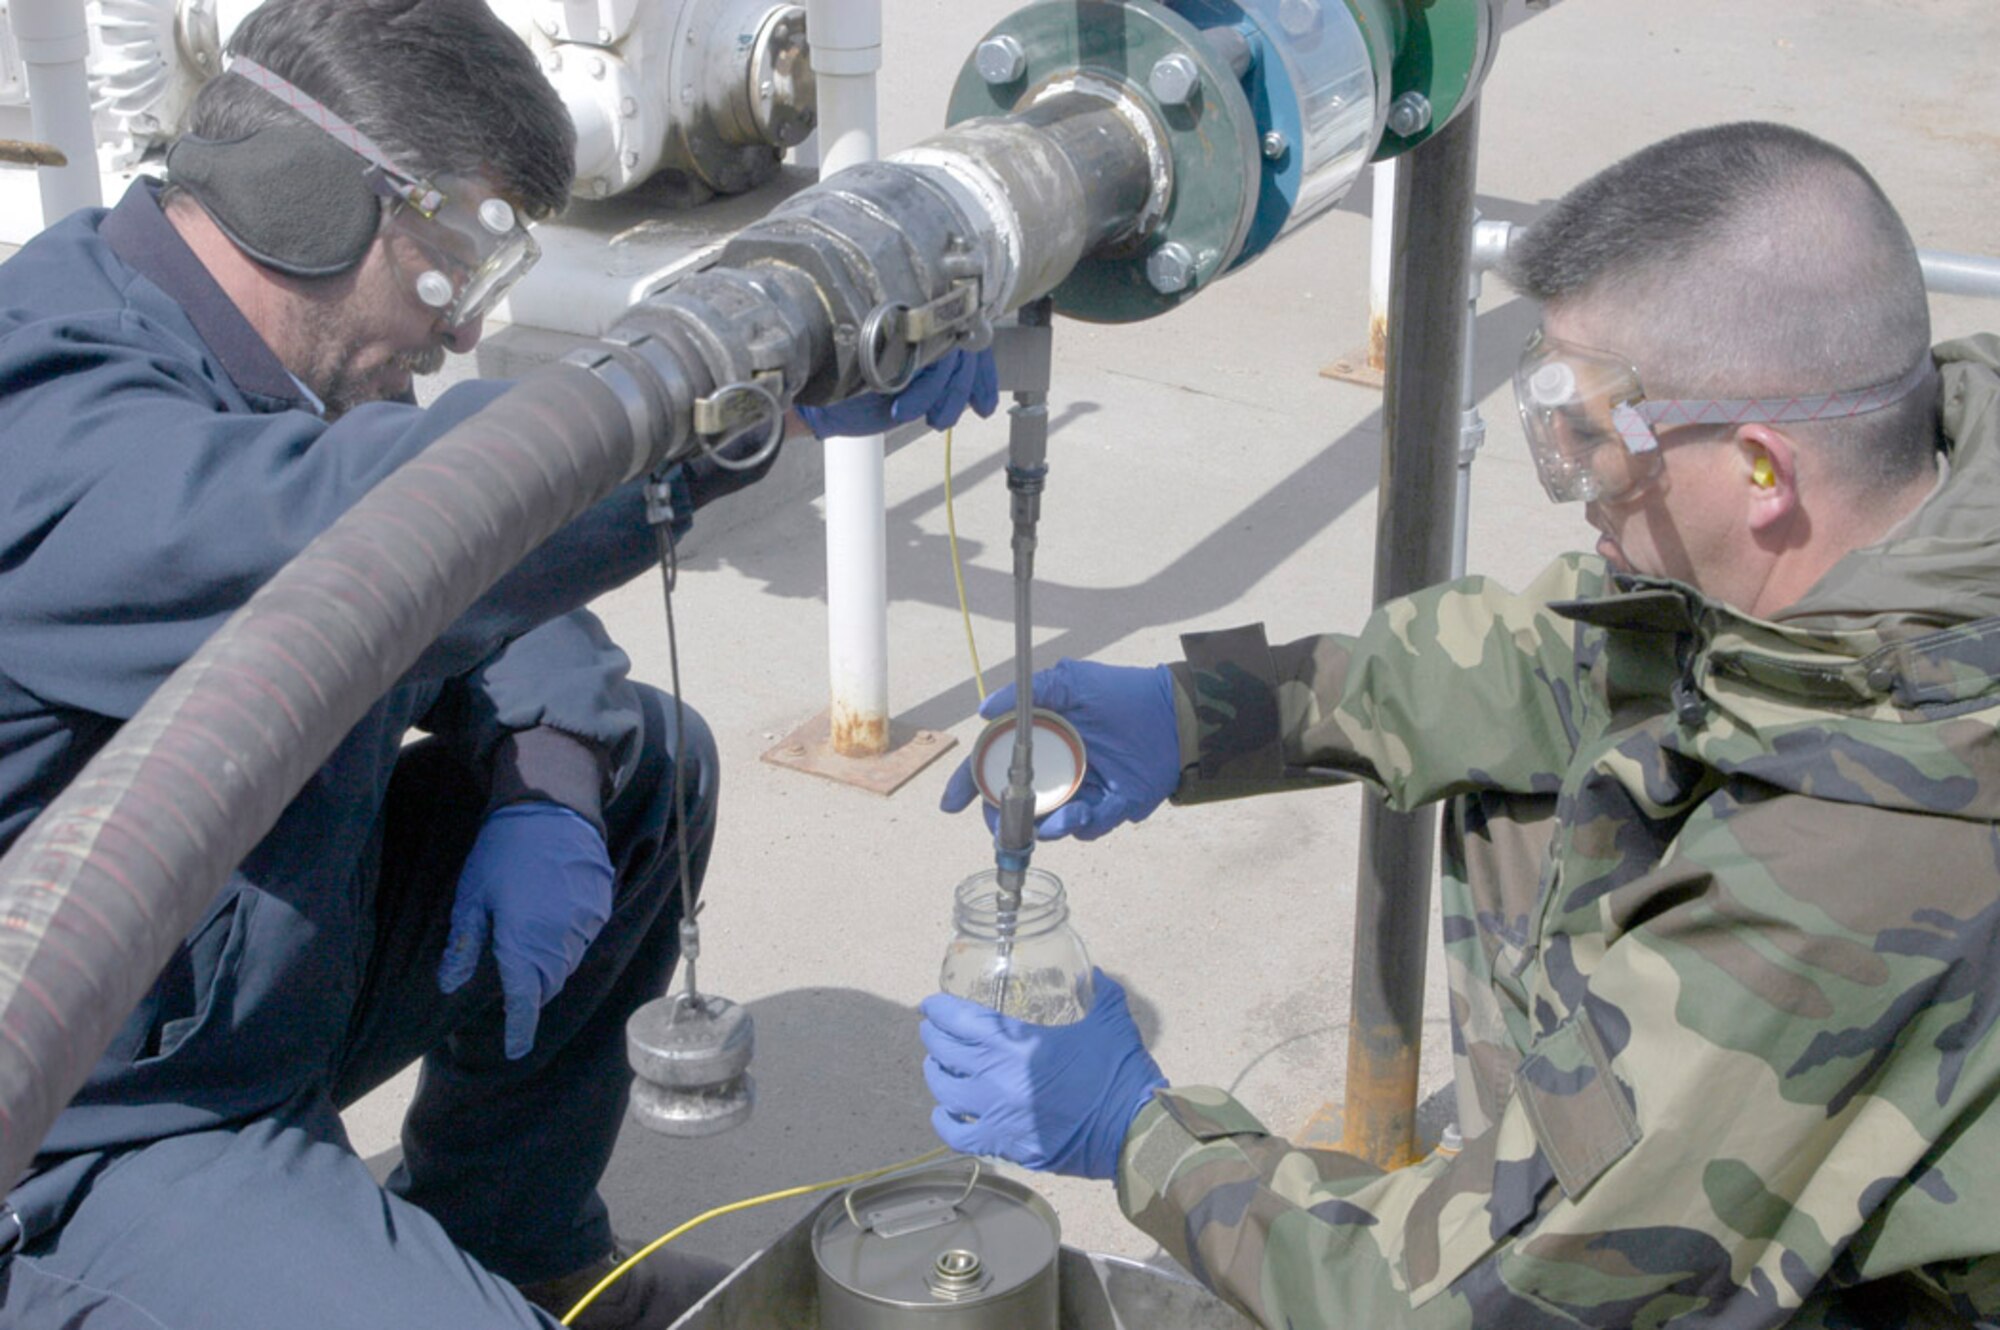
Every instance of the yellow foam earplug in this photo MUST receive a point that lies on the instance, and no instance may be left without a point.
(1762, 474)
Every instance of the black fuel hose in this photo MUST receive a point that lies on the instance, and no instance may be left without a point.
(101, 888)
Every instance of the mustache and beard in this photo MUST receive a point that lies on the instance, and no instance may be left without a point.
(346, 385)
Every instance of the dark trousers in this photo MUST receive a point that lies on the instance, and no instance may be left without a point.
(277, 1225)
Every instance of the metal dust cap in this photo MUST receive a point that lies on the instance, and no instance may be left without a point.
(942, 1236)
(692, 1059)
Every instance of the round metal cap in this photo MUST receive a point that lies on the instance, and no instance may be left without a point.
(1056, 750)
(676, 1044)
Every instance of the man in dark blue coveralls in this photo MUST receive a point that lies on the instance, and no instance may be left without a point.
(192, 385)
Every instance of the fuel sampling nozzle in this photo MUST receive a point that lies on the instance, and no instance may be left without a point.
(1027, 474)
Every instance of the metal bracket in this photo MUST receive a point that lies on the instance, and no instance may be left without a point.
(1023, 356)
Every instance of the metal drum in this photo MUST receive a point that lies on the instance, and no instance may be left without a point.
(947, 1248)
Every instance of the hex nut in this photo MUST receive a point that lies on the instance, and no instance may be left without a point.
(1000, 60)
(1175, 79)
(1170, 268)
(1409, 114)
(1299, 18)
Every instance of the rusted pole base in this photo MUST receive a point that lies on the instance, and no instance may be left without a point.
(810, 749)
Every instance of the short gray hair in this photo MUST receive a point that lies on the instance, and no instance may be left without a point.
(1749, 260)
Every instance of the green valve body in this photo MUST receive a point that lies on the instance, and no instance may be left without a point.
(1257, 115)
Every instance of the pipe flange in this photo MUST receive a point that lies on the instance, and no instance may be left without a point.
(1211, 144)
(781, 88)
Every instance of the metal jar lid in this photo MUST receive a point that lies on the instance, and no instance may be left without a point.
(940, 1237)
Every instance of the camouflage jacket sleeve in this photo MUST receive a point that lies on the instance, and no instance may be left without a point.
(1459, 686)
(1739, 1103)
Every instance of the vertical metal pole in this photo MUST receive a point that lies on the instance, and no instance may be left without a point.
(1471, 425)
(1489, 250)
(846, 40)
(1413, 538)
(54, 43)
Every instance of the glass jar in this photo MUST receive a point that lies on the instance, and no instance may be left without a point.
(1028, 962)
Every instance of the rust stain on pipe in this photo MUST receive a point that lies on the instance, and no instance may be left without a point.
(857, 734)
(26, 153)
(1378, 342)
(1379, 1116)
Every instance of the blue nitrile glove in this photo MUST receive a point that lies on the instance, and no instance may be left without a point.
(539, 880)
(1131, 744)
(940, 393)
(1057, 1098)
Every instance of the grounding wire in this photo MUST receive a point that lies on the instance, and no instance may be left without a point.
(958, 574)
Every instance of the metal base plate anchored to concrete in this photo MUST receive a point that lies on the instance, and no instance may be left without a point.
(809, 748)
(1353, 367)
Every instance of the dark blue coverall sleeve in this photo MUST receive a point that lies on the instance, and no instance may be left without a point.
(563, 680)
(157, 467)
(152, 510)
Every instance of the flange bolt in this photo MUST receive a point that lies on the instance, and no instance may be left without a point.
(1000, 60)
(1175, 79)
(1409, 114)
(1299, 18)
(1170, 268)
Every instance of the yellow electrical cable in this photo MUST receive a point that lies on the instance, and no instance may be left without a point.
(958, 574)
(625, 1266)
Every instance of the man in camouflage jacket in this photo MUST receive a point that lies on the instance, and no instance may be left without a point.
(1722, 872)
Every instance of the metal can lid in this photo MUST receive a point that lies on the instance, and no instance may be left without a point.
(935, 1237)
(1055, 748)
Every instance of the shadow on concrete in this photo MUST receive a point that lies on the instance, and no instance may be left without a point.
(1213, 572)
(840, 1090)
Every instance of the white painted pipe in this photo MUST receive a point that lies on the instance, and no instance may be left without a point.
(1960, 274)
(54, 41)
(846, 37)
(1381, 249)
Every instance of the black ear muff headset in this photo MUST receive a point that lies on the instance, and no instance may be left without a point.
(290, 195)
(308, 197)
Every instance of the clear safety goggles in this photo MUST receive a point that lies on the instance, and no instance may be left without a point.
(472, 249)
(471, 252)
(1591, 427)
